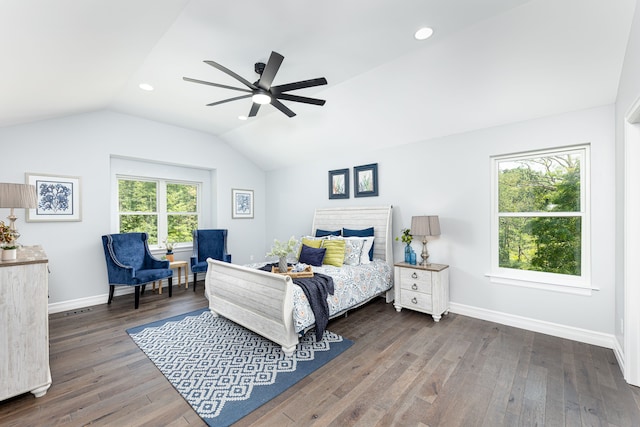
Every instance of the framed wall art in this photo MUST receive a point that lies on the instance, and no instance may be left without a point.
(241, 203)
(365, 180)
(339, 184)
(57, 197)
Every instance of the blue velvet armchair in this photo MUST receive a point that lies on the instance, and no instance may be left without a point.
(208, 244)
(130, 263)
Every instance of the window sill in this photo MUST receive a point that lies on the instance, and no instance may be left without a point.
(535, 284)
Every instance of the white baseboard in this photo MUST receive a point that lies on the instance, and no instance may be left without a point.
(58, 307)
(554, 329)
(619, 352)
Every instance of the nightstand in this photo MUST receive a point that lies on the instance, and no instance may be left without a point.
(421, 288)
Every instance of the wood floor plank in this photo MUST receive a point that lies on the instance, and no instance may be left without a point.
(403, 370)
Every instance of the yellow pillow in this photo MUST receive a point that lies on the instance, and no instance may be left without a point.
(311, 242)
(335, 252)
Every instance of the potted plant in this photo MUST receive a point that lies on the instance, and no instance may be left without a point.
(281, 250)
(169, 245)
(407, 238)
(8, 242)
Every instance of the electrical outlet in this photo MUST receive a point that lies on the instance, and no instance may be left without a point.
(251, 258)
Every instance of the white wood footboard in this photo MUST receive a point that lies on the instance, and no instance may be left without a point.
(258, 300)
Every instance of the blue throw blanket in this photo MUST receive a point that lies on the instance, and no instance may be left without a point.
(317, 289)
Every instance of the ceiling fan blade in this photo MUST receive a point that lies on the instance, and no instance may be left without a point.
(280, 106)
(228, 100)
(299, 85)
(296, 98)
(254, 109)
(242, 80)
(270, 70)
(188, 79)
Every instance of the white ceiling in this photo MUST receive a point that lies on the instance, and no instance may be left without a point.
(489, 62)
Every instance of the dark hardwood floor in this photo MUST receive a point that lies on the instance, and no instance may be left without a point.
(403, 370)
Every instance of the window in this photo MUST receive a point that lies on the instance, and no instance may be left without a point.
(540, 227)
(161, 208)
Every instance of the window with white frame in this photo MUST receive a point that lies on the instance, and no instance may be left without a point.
(166, 210)
(540, 225)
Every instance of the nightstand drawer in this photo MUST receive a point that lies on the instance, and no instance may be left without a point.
(416, 286)
(409, 276)
(416, 300)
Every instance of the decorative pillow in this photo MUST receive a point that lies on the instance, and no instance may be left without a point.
(322, 233)
(312, 242)
(366, 232)
(335, 252)
(367, 246)
(353, 250)
(312, 256)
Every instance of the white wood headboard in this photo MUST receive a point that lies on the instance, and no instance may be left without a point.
(357, 218)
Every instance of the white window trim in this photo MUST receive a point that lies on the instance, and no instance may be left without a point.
(580, 285)
(161, 206)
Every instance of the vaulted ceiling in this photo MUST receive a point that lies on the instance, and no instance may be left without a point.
(489, 62)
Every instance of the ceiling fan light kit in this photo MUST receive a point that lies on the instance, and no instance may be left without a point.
(262, 92)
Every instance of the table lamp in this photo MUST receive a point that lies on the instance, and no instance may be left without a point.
(426, 225)
(16, 196)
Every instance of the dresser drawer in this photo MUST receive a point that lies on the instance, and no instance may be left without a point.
(415, 280)
(416, 300)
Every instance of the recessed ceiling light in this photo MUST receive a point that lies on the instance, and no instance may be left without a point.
(145, 86)
(242, 117)
(423, 33)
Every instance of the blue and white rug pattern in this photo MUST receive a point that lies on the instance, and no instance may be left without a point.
(215, 363)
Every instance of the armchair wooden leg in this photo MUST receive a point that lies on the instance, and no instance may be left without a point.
(170, 285)
(195, 279)
(111, 289)
(137, 303)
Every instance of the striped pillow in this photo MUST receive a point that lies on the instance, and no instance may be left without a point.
(335, 252)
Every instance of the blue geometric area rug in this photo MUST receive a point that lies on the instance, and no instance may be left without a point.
(225, 371)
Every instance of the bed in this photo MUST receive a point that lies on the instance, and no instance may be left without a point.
(265, 302)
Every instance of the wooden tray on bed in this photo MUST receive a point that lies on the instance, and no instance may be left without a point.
(307, 272)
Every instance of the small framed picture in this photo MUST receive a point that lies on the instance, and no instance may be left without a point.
(339, 184)
(365, 180)
(241, 203)
(57, 198)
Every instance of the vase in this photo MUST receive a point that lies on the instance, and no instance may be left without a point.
(9, 254)
(282, 264)
(169, 256)
(407, 253)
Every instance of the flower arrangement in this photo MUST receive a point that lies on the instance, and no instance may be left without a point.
(282, 249)
(406, 236)
(7, 236)
(169, 245)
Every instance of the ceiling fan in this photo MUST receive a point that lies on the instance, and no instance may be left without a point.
(261, 91)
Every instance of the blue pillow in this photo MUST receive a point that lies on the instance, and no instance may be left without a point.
(322, 233)
(366, 232)
(312, 256)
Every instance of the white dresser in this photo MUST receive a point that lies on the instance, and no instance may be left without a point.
(422, 288)
(24, 324)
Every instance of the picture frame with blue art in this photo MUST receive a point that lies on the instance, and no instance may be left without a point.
(241, 204)
(57, 198)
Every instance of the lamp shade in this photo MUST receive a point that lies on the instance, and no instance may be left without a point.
(426, 225)
(17, 195)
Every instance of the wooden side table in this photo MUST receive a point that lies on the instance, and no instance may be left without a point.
(178, 265)
(422, 288)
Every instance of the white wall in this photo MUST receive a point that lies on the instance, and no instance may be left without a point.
(450, 177)
(82, 146)
(628, 92)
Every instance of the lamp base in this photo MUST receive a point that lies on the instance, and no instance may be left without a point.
(424, 254)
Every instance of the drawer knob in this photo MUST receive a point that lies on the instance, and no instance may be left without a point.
(414, 300)
(414, 287)
(414, 275)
